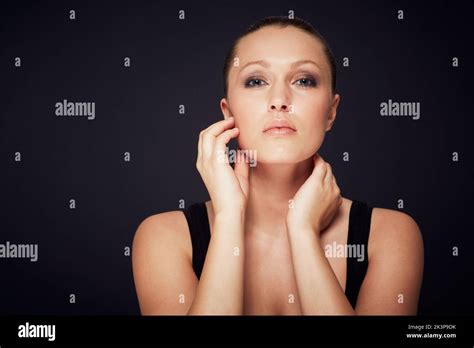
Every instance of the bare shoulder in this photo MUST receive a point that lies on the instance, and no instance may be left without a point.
(162, 264)
(168, 228)
(395, 232)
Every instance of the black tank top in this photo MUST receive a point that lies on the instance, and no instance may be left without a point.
(359, 229)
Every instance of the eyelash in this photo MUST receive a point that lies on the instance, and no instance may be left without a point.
(309, 78)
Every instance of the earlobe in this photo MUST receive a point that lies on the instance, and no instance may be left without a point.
(329, 127)
(225, 108)
(331, 120)
(333, 112)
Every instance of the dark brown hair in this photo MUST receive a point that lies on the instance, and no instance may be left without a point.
(281, 22)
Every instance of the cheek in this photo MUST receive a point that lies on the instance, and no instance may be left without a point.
(314, 139)
(246, 119)
(248, 134)
(314, 116)
(313, 119)
(316, 107)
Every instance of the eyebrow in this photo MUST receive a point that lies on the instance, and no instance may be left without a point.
(266, 64)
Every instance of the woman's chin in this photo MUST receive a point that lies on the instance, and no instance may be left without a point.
(281, 159)
(279, 154)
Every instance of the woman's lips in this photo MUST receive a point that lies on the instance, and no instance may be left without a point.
(280, 131)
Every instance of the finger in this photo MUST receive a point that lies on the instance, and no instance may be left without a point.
(200, 146)
(224, 138)
(336, 186)
(328, 177)
(217, 128)
(338, 192)
(210, 133)
(332, 180)
(320, 167)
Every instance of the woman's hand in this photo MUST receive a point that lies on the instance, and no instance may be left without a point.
(316, 201)
(227, 187)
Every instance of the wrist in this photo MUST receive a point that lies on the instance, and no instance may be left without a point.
(302, 229)
(230, 216)
(301, 225)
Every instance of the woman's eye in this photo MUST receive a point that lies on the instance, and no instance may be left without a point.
(308, 82)
(249, 83)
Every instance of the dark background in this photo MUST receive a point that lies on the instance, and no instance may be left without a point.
(176, 62)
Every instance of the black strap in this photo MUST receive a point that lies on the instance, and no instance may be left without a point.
(358, 235)
(196, 215)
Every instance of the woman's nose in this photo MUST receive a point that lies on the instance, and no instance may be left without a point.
(279, 106)
(279, 99)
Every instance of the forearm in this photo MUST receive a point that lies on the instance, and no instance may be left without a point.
(318, 288)
(221, 286)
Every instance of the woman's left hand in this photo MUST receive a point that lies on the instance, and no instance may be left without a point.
(316, 201)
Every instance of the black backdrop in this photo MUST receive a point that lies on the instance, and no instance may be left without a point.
(176, 62)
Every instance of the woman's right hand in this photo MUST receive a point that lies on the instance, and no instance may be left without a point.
(228, 187)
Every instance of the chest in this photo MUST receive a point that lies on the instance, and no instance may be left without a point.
(269, 278)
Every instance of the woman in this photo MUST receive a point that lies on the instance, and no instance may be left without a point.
(263, 243)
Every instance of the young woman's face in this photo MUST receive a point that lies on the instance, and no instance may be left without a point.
(282, 89)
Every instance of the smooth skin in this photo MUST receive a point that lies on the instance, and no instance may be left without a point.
(270, 223)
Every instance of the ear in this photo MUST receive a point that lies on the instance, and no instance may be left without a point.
(224, 104)
(333, 111)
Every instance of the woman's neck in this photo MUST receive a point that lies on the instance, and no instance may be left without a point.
(271, 188)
